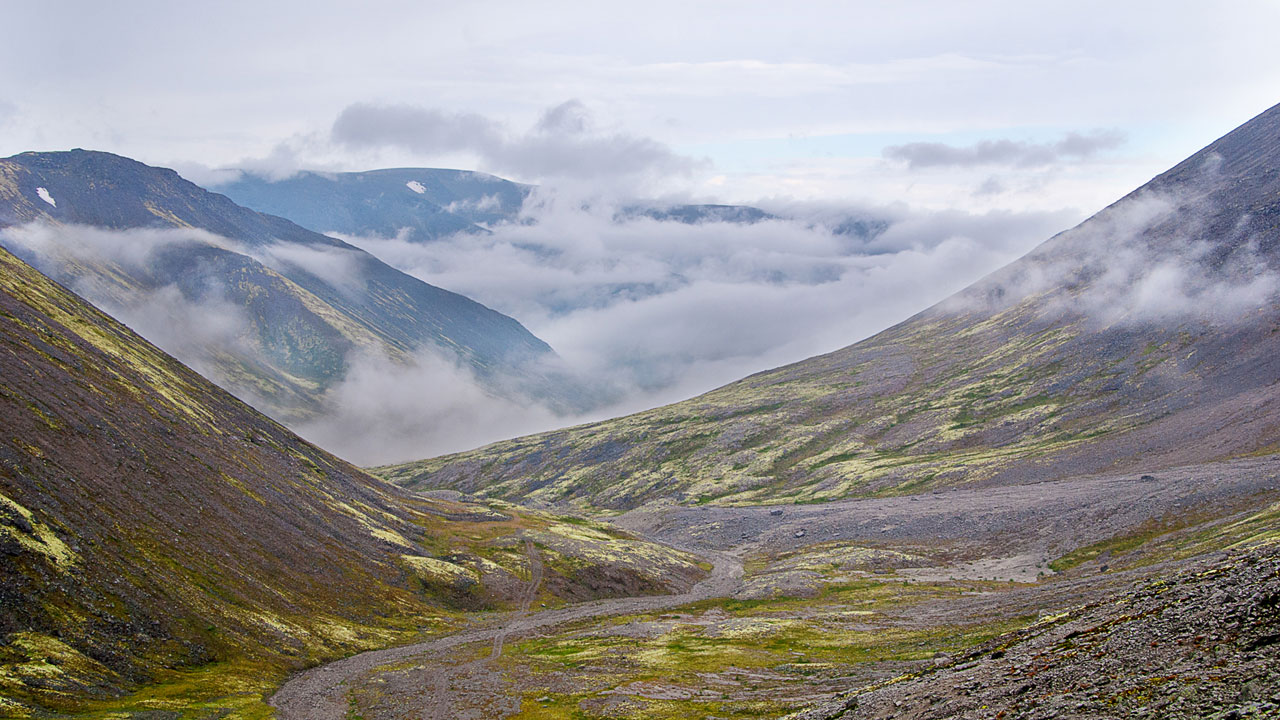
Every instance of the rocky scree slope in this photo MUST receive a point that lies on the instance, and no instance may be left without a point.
(309, 303)
(1202, 643)
(149, 522)
(1146, 335)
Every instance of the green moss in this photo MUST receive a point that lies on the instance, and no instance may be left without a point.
(1192, 532)
(749, 645)
(233, 690)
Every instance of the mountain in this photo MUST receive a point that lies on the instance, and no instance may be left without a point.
(697, 214)
(428, 202)
(431, 203)
(158, 533)
(1147, 335)
(856, 226)
(273, 311)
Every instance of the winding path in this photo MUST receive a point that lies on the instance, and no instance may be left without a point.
(321, 692)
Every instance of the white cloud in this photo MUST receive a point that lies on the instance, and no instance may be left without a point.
(1156, 257)
(562, 144)
(340, 267)
(822, 71)
(663, 310)
(1011, 153)
(385, 411)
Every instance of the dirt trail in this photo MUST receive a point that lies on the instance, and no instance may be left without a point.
(321, 692)
(477, 672)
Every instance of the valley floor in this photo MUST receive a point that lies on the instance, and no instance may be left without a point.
(809, 603)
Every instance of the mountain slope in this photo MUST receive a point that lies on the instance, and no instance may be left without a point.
(149, 521)
(143, 509)
(428, 202)
(301, 306)
(1145, 336)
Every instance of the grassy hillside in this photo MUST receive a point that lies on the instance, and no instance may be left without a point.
(1145, 336)
(165, 546)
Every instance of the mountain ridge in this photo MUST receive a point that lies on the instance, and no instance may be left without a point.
(428, 202)
(303, 317)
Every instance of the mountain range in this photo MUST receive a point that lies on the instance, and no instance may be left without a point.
(298, 307)
(425, 204)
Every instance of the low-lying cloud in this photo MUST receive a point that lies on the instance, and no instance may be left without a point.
(1005, 153)
(393, 410)
(382, 409)
(1155, 258)
(562, 144)
(662, 310)
(195, 326)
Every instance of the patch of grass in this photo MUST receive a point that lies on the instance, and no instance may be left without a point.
(1116, 545)
(239, 689)
(1190, 533)
(754, 645)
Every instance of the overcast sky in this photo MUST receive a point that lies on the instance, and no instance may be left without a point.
(980, 105)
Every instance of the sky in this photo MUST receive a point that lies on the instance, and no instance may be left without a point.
(981, 105)
(973, 130)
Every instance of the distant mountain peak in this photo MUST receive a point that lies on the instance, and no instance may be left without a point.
(425, 203)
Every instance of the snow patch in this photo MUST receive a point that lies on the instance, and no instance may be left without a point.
(415, 186)
(45, 196)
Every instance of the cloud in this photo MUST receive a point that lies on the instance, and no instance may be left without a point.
(482, 204)
(340, 267)
(653, 311)
(990, 186)
(664, 310)
(284, 160)
(1007, 153)
(195, 324)
(387, 411)
(380, 410)
(562, 144)
(1158, 257)
(415, 128)
(53, 246)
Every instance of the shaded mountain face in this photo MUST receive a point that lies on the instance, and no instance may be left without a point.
(271, 310)
(1148, 335)
(151, 521)
(429, 203)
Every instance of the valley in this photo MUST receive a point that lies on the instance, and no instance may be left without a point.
(809, 601)
(1054, 494)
